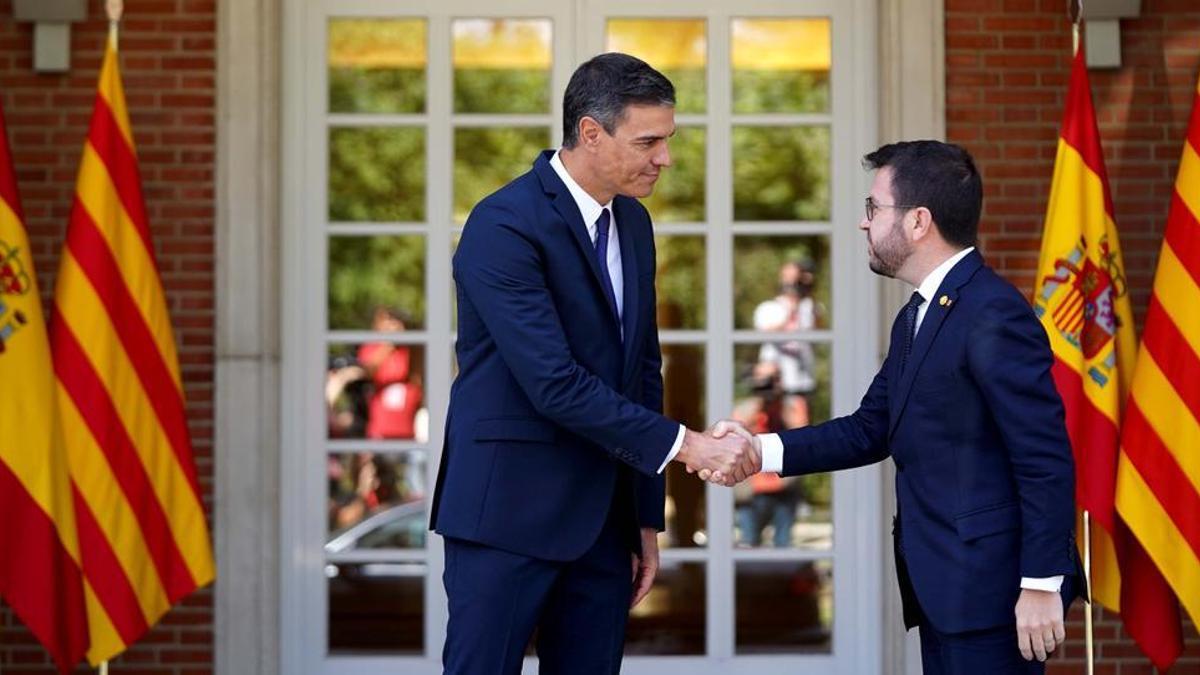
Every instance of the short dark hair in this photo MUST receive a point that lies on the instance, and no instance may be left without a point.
(603, 86)
(939, 176)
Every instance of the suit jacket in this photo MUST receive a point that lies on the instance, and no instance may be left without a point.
(984, 471)
(554, 419)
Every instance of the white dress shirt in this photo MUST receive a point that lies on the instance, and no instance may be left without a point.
(772, 446)
(589, 210)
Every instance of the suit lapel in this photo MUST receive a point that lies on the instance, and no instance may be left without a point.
(628, 222)
(935, 316)
(565, 204)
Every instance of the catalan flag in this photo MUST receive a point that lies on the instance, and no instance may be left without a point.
(142, 530)
(1082, 300)
(39, 550)
(1158, 480)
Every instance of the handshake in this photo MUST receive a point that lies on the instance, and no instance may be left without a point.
(726, 454)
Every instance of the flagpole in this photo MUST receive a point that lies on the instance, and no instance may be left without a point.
(1075, 12)
(115, 9)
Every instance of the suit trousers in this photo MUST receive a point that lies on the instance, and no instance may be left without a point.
(982, 652)
(497, 598)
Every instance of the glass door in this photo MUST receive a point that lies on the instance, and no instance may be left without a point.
(404, 115)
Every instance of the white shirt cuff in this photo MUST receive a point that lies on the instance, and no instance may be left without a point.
(772, 452)
(674, 448)
(1053, 584)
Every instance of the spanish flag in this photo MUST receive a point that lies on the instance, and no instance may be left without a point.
(1158, 480)
(1082, 299)
(39, 550)
(142, 529)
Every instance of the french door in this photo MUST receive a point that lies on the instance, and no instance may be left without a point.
(400, 116)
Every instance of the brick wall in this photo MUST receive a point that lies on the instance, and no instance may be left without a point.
(1007, 65)
(168, 63)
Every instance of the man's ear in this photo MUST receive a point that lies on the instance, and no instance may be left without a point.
(589, 132)
(921, 223)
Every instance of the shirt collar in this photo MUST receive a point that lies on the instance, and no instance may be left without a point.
(589, 208)
(934, 281)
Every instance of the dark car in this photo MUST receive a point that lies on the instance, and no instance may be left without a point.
(376, 600)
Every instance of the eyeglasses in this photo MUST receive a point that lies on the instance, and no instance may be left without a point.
(873, 208)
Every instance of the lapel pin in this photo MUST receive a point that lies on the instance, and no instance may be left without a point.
(944, 301)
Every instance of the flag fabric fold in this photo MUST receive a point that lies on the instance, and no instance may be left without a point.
(39, 547)
(1082, 300)
(142, 527)
(1158, 478)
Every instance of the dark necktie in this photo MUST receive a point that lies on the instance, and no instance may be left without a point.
(602, 224)
(910, 326)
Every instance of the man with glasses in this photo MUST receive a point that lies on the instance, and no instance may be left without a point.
(966, 406)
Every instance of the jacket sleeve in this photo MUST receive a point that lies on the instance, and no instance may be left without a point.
(651, 490)
(500, 270)
(1010, 361)
(857, 439)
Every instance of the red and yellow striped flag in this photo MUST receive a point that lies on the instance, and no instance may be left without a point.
(1082, 300)
(142, 528)
(1158, 480)
(39, 550)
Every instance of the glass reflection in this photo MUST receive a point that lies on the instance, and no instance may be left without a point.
(377, 281)
(684, 401)
(486, 159)
(781, 283)
(781, 65)
(679, 194)
(502, 65)
(377, 174)
(377, 65)
(376, 501)
(781, 173)
(678, 48)
(376, 607)
(376, 390)
(680, 282)
(792, 512)
(670, 620)
(784, 607)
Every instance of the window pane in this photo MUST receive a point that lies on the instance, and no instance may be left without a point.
(782, 386)
(781, 65)
(781, 283)
(376, 607)
(376, 501)
(784, 607)
(679, 194)
(781, 173)
(377, 65)
(684, 401)
(377, 283)
(502, 65)
(377, 174)
(680, 283)
(486, 159)
(376, 390)
(670, 620)
(678, 48)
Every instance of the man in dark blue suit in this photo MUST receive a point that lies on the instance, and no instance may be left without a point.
(965, 405)
(550, 491)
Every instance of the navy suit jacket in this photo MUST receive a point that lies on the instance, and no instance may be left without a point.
(552, 414)
(984, 471)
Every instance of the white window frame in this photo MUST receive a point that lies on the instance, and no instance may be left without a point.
(857, 551)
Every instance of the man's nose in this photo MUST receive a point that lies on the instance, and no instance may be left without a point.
(663, 157)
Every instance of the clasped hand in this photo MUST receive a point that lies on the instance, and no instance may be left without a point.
(726, 454)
